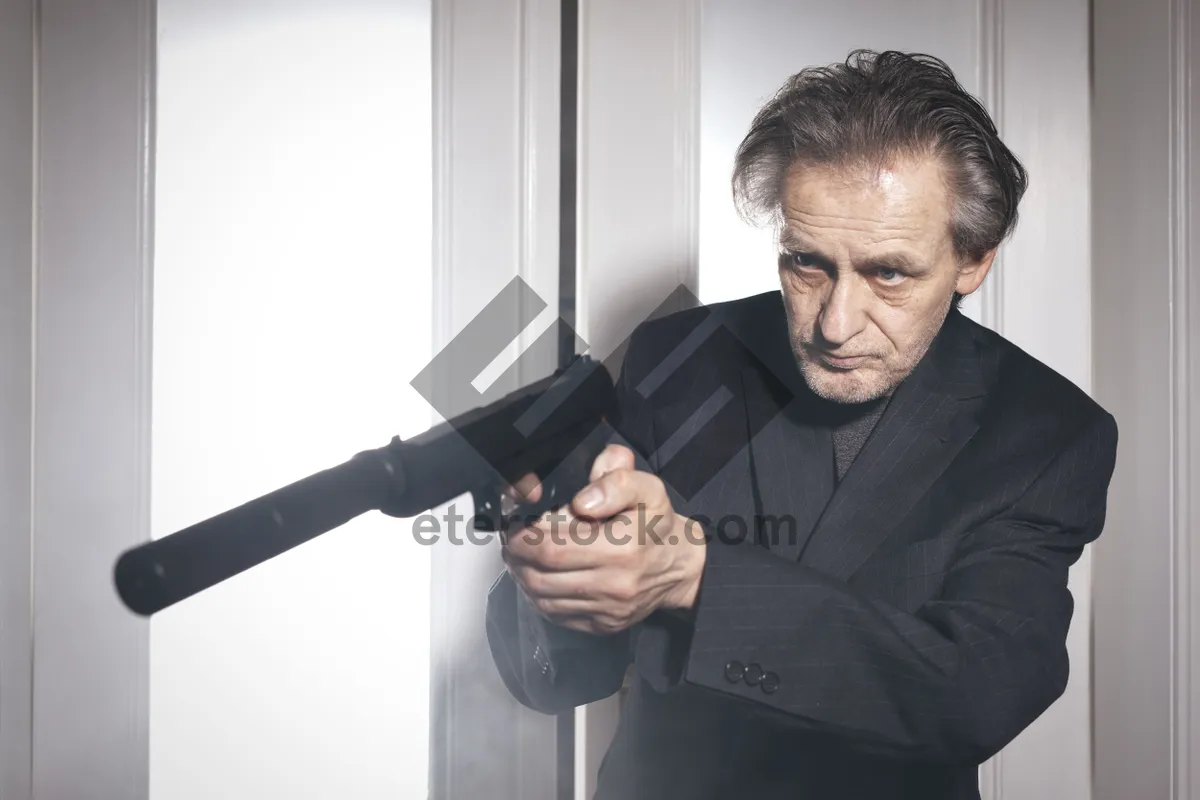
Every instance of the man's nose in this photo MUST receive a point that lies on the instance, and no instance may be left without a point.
(844, 314)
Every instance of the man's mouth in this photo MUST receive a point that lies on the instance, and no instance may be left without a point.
(841, 362)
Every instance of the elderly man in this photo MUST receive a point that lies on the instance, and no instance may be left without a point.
(934, 484)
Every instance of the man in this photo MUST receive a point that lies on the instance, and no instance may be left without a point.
(932, 484)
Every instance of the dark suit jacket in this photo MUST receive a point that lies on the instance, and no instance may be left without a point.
(877, 637)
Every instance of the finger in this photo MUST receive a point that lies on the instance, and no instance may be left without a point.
(569, 543)
(521, 547)
(527, 488)
(620, 491)
(562, 556)
(583, 544)
(583, 624)
(613, 457)
(589, 623)
(550, 585)
(566, 607)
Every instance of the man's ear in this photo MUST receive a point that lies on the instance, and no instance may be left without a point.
(972, 273)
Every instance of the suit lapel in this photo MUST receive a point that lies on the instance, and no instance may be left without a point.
(928, 420)
(791, 466)
(790, 460)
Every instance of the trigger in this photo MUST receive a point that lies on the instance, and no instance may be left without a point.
(508, 505)
(494, 510)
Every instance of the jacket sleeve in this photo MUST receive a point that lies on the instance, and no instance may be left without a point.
(956, 680)
(547, 667)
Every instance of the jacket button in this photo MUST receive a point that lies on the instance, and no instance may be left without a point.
(753, 675)
(734, 671)
(770, 682)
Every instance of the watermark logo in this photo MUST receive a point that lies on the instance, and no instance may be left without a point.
(559, 528)
(705, 429)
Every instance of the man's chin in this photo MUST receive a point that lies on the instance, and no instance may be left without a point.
(843, 386)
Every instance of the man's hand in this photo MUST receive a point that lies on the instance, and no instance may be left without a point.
(617, 553)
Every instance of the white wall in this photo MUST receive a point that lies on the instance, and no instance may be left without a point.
(292, 305)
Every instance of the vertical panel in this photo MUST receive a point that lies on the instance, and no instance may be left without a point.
(1044, 306)
(1044, 82)
(639, 106)
(16, 389)
(638, 151)
(1147, 172)
(92, 424)
(1132, 296)
(496, 103)
(292, 306)
(1186, 318)
(568, 267)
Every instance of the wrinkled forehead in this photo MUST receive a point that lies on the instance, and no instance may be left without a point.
(903, 201)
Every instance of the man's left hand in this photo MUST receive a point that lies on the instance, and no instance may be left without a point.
(616, 554)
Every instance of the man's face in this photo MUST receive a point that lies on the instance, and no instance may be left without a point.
(868, 273)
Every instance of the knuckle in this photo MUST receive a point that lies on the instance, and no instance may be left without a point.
(532, 581)
(624, 590)
(549, 557)
(616, 454)
(581, 590)
(657, 487)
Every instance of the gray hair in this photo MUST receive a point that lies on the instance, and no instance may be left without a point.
(872, 108)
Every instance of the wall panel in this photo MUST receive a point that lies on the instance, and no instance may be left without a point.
(92, 388)
(1043, 303)
(496, 173)
(639, 106)
(16, 389)
(1145, 165)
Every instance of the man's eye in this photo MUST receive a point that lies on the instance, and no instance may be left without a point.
(888, 275)
(804, 260)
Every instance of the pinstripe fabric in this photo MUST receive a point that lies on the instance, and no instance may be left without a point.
(906, 626)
